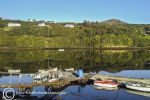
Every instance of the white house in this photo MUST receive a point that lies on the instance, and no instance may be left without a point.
(69, 25)
(31, 20)
(41, 24)
(14, 24)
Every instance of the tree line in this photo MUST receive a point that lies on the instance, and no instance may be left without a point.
(86, 34)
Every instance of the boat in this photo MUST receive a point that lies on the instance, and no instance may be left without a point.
(51, 75)
(37, 77)
(106, 83)
(52, 80)
(69, 70)
(52, 69)
(138, 87)
(104, 88)
(146, 94)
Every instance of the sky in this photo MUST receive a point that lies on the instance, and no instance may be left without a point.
(131, 11)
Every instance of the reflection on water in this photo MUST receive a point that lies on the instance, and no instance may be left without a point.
(87, 92)
(124, 63)
(112, 61)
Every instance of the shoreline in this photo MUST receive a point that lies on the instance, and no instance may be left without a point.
(76, 48)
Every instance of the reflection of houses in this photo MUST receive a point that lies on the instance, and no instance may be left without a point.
(14, 24)
(14, 71)
(147, 32)
(69, 25)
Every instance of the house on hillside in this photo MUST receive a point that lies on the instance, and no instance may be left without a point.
(31, 20)
(14, 24)
(41, 24)
(69, 25)
(51, 21)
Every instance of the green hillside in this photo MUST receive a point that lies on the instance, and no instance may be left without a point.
(86, 34)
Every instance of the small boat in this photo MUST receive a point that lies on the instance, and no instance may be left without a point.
(138, 87)
(104, 88)
(52, 80)
(37, 77)
(53, 69)
(106, 83)
(146, 94)
(69, 70)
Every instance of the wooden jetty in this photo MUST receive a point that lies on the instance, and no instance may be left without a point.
(121, 79)
(69, 78)
(56, 83)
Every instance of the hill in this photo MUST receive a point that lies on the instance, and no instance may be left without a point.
(114, 21)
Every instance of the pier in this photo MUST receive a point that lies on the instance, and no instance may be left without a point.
(120, 79)
(69, 78)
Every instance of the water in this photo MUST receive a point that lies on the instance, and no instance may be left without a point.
(121, 63)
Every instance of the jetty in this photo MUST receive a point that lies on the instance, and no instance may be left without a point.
(120, 79)
(67, 79)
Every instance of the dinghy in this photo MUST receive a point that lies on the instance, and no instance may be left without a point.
(138, 87)
(69, 70)
(106, 83)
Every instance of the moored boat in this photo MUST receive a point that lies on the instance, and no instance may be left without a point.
(106, 83)
(104, 88)
(138, 87)
(69, 70)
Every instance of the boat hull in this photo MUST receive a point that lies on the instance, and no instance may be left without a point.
(138, 88)
(108, 84)
(105, 88)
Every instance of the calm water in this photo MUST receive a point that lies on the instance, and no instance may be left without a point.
(120, 63)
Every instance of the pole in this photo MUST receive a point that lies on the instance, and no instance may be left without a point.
(10, 77)
(19, 78)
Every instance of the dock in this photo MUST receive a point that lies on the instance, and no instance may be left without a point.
(69, 78)
(120, 79)
(57, 83)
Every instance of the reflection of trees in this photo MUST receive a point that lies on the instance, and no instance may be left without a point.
(30, 61)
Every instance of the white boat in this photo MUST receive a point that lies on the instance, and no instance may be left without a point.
(37, 77)
(106, 83)
(138, 87)
(52, 80)
(146, 94)
(105, 88)
(41, 71)
(53, 69)
(69, 69)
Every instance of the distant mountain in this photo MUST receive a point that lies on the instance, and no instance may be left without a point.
(114, 21)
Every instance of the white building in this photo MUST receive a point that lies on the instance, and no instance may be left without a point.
(31, 20)
(14, 24)
(41, 24)
(69, 25)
